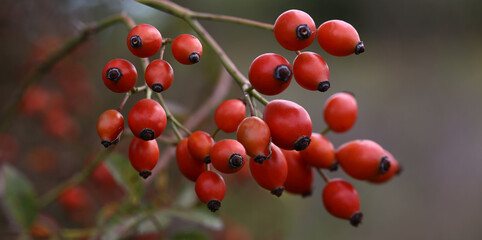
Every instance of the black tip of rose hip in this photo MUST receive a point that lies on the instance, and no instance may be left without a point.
(359, 48)
(194, 58)
(106, 143)
(303, 32)
(302, 143)
(157, 87)
(323, 86)
(146, 134)
(145, 173)
(333, 167)
(384, 165)
(260, 159)
(113, 74)
(306, 194)
(235, 160)
(214, 205)
(136, 41)
(356, 219)
(278, 191)
(207, 159)
(282, 73)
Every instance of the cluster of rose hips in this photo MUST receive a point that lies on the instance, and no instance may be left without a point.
(280, 148)
(147, 118)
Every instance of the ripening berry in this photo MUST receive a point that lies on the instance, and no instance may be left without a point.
(228, 156)
(341, 200)
(270, 73)
(272, 173)
(199, 144)
(187, 49)
(320, 153)
(340, 112)
(229, 114)
(159, 75)
(74, 198)
(143, 155)
(289, 123)
(190, 167)
(119, 75)
(147, 119)
(362, 159)
(311, 72)
(110, 125)
(300, 175)
(339, 38)
(255, 136)
(294, 30)
(210, 189)
(144, 40)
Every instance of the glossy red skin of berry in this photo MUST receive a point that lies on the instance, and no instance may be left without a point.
(320, 153)
(341, 199)
(229, 114)
(74, 198)
(183, 46)
(309, 70)
(210, 186)
(394, 169)
(255, 136)
(143, 155)
(147, 114)
(150, 37)
(360, 158)
(190, 167)
(221, 153)
(272, 173)
(199, 144)
(338, 38)
(287, 122)
(262, 74)
(110, 125)
(340, 112)
(300, 175)
(127, 79)
(159, 72)
(285, 30)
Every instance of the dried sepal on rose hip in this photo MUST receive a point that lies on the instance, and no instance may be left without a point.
(341, 200)
(294, 30)
(119, 75)
(270, 73)
(147, 119)
(159, 75)
(187, 49)
(143, 156)
(289, 123)
(228, 156)
(110, 125)
(144, 40)
(339, 38)
(210, 189)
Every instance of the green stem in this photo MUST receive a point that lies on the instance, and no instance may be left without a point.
(190, 17)
(323, 175)
(325, 131)
(55, 57)
(175, 123)
(53, 193)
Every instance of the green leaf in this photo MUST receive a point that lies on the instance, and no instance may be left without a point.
(19, 197)
(125, 175)
(190, 236)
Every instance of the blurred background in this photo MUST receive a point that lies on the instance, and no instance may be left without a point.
(418, 87)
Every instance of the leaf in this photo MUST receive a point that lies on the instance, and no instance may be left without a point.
(125, 175)
(19, 197)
